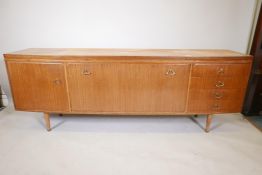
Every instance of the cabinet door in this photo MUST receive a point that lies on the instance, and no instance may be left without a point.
(128, 88)
(38, 86)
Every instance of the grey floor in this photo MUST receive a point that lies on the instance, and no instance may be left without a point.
(96, 145)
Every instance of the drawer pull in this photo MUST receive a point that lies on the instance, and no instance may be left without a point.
(57, 82)
(170, 72)
(220, 84)
(220, 71)
(86, 72)
(216, 107)
(218, 95)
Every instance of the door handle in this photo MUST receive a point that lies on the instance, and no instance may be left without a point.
(171, 72)
(86, 72)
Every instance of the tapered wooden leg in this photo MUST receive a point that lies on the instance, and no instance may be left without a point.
(208, 122)
(47, 121)
(60, 114)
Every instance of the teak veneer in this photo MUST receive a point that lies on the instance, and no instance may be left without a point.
(128, 81)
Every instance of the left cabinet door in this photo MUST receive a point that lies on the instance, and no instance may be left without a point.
(38, 86)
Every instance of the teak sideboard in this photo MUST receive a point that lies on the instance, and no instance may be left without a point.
(128, 81)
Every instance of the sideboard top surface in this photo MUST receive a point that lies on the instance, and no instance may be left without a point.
(69, 53)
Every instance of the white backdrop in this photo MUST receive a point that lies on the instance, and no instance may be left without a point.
(216, 24)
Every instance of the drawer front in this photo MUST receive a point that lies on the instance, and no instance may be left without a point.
(211, 70)
(216, 94)
(215, 106)
(215, 100)
(218, 82)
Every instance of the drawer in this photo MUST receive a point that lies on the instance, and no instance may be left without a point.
(211, 70)
(216, 94)
(218, 82)
(214, 106)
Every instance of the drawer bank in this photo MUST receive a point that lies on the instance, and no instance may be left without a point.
(128, 81)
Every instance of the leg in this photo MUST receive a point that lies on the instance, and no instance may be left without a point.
(47, 121)
(195, 115)
(208, 122)
(60, 114)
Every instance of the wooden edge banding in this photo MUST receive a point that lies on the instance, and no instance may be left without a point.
(188, 87)
(141, 60)
(67, 88)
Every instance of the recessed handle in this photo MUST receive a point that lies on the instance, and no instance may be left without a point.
(86, 72)
(171, 72)
(220, 84)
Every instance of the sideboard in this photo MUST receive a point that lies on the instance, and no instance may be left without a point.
(128, 81)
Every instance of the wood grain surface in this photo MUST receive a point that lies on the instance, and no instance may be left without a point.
(126, 52)
(128, 87)
(128, 81)
(38, 86)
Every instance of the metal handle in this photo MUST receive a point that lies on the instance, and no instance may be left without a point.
(218, 95)
(57, 81)
(220, 84)
(220, 71)
(86, 72)
(170, 72)
(216, 106)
